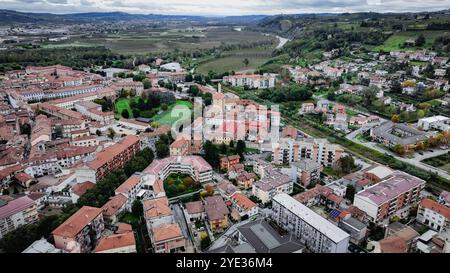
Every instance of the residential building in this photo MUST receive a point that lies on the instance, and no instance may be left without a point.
(243, 206)
(433, 214)
(251, 81)
(194, 211)
(245, 180)
(228, 161)
(440, 123)
(15, 213)
(130, 189)
(112, 209)
(216, 213)
(305, 171)
(392, 196)
(318, 234)
(391, 134)
(117, 243)
(354, 227)
(81, 231)
(42, 246)
(180, 147)
(77, 190)
(168, 238)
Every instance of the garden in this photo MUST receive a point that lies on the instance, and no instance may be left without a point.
(180, 183)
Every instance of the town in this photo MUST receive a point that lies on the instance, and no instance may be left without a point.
(346, 151)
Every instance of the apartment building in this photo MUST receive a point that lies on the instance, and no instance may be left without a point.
(305, 171)
(243, 205)
(271, 183)
(251, 81)
(288, 150)
(217, 213)
(318, 234)
(228, 161)
(94, 112)
(15, 213)
(114, 157)
(394, 195)
(80, 233)
(433, 214)
(130, 189)
(168, 238)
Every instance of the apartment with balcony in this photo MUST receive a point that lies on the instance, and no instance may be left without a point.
(16, 213)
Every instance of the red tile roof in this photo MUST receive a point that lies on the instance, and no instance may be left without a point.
(81, 188)
(116, 241)
(75, 224)
(433, 205)
(114, 205)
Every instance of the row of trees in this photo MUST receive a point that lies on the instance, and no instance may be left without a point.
(214, 152)
(293, 92)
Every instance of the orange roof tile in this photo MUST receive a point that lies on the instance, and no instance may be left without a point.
(114, 204)
(433, 205)
(75, 224)
(167, 232)
(116, 241)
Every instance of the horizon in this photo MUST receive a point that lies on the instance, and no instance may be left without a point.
(224, 8)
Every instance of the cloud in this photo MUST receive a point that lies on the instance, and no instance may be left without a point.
(222, 7)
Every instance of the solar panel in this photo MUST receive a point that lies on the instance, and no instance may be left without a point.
(334, 213)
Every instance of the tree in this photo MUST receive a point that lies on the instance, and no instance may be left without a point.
(231, 144)
(164, 107)
(350, 193)
(399, 149)
(111, 133)
(396, 87)
(205, 242)
(137, 208)
(98, 132)
(345, 164)
(369, 95)
(211, 154)
(223, 148)
(125, 114)
(395, 118)
(162, 150)
(246, 62)
(420, 41)
(210, 190)
(25, 129)
(147, 83)
(240, 148)
(155, 124)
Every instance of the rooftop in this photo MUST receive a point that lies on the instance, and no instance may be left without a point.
(321, 224)
(75, 224)
(116, 241)
(435, 206)
(14, 206)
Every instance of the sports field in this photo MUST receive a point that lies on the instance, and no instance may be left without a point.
(166, 116)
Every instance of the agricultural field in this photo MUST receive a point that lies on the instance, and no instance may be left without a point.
(395, 42)
(163, 40)
(234, 61)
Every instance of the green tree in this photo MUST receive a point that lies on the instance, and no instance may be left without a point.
(420, 41)
(25, 129)
(211, 154)
(147, 83)
(98, 132)
(350, 193)
(111, 133)
(162, 150)
(240, 148)
(246, 62)
(125, 114)
(164, 107)
(137, 208)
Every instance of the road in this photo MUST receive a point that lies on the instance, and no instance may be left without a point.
(414, 161)
(282, 42)
(181, 220)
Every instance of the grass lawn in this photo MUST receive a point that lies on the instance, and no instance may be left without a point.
(441, 162)
(123, 104)
(129, 218)
(351, 113)
(166, 116)
(394, 42)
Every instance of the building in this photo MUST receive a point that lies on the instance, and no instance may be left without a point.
(271, 183)
(157, 212)
(117, 243)
(15, 213)
(194, 211)
(440, 123)
(113, 209)
(245, 180)
(216, 213)
(260, 236)
(354, 227)
(286, 151)
(168, 238)
(81, 231)
(392, 196)
(114, 157)
(228, 161)
(305, 171)
(77, 190)
(433, 214)
(318, 234)
(391, 134)
(133, 124)
(41, 246)
(444, 198)
(94, 112)
(251, 81)
(197, 168)
(130, 189)
(180, 147)
(243, 206)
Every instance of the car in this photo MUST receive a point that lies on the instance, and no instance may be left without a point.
(420, 153)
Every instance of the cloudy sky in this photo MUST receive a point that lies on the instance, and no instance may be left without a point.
(220, 7)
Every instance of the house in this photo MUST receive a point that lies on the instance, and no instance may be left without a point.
(23, 179)
(243, 206)
(77, 190)
(245, 180)
(226, 189)
(354, 227)
(235, 170)
(130, 189)
(15, 213)
(440, 123)
(117, 243)
(228, 161)
(194, 211)
(307, 107)
(358, 121)
(216, 213)
(180, 147)
(444, 198)
(41, 246)
(157, 212)
(113, 209)
(433, 214)
(168, 238)
(391, 134)
(81, 231)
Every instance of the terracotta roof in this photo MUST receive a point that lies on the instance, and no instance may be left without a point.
(215, 208)
(75, 224)
(116, 241)
(242, 201)
(126, 186)
(36, 195)
(156, 207)
(123, 228)
(112, 151)
(432, 205)
(195, 207)
(81, 188)
(22, 177)
(393, 244)
(114, 204)
(167, 232)
(16, 205)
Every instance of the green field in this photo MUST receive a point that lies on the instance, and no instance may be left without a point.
(234, 61)
(441, 162)
(395, 42)
(166, 116)
(164, 40)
